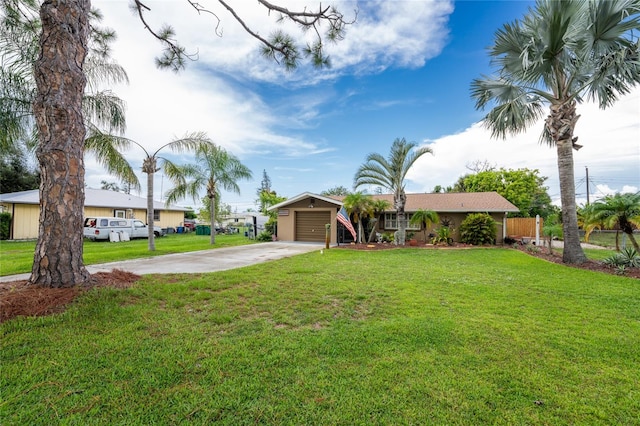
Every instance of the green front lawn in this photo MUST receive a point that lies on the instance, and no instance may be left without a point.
(17, 256)
(480, 336)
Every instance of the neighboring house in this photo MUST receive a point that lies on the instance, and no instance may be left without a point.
(302, 218)
(24, 208)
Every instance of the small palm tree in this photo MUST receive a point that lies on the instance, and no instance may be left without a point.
(424, 218)
(190, 143)
(390, 173)
(588, 221)
(214, 169)
(359, 206)
(560, 53)
(622, 211)
(378, 207)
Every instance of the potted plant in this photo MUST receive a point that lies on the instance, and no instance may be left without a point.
(412, 241)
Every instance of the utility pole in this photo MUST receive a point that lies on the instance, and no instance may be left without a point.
(587, 170)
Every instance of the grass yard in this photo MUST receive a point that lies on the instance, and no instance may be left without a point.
(480, 336)
(17, 256)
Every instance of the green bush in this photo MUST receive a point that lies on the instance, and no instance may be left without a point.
(5, 223)
(478, 229)
(443, 235)
(387, 237)
(265, 236)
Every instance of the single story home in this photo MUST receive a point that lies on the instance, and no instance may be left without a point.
(303, 217)
(24, 208)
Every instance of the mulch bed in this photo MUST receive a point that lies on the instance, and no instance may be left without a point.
(17, 298)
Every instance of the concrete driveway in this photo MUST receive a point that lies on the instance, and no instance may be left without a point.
(213, 260)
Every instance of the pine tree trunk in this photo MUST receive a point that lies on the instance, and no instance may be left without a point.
(561, 122)
(60, 83)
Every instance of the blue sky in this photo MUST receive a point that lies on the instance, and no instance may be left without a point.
(404, 70)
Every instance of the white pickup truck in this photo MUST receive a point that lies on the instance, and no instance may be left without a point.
(100, 228)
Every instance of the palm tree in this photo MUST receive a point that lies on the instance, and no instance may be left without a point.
(390, 174)
(622, 211)
(192, 142)
(588, 221)
(378, 207)
(424, 218)
(360, 206)
(559, 54)
(214, 169)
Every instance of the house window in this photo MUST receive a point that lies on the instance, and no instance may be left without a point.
(391, 221)
(156, 215)
(119, 213)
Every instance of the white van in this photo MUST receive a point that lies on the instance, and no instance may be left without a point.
(105, 228)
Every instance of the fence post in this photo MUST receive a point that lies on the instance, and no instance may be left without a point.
(537, 230)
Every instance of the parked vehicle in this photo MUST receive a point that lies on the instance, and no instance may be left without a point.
(101, 228)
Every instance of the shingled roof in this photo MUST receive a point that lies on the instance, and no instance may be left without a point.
(463, 202)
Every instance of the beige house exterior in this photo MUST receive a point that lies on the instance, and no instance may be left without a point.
(24, 208)
(302, 218)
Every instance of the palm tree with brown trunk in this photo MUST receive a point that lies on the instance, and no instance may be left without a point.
(214, 169)
(390, 173)
(359, 206)
(153, 162)
(620, 211)
(559, 54)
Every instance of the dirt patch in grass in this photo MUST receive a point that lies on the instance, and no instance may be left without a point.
(18, 298)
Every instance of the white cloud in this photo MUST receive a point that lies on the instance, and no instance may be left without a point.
(610, 139)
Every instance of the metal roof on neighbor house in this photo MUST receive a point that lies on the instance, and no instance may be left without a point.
(93, 198)
(453, 202)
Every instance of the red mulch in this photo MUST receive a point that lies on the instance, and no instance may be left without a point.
(17, 298)
(20, 299)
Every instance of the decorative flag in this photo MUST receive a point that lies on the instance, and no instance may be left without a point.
(343, 218)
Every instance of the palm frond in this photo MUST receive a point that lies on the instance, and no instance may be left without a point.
(191, 142)
(516, 108)
(106, 149)
(105, 109)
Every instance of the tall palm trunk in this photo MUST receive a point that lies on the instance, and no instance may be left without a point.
(212, 206)
(561, 123)
(400, 200)
(57, 107)
(149, 167)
